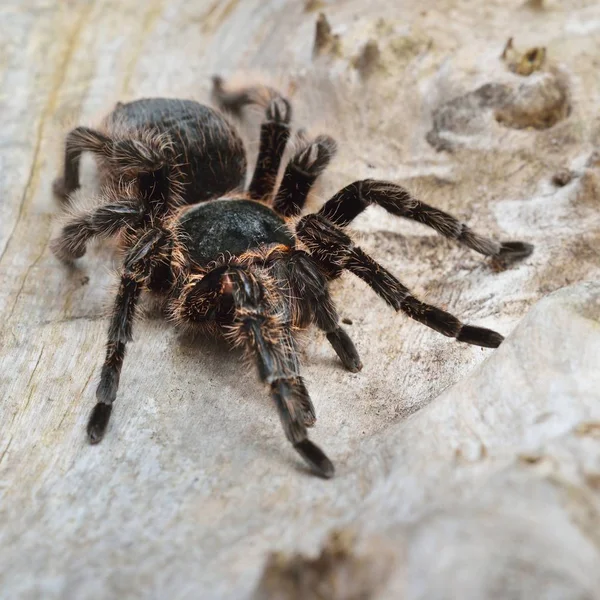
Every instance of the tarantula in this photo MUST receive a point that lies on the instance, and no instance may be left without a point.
(232, 260)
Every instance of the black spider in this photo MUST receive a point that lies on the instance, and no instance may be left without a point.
(173, 173)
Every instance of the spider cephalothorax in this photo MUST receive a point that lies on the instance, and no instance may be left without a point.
(231, 260)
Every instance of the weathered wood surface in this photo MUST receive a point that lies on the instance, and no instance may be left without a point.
(195, 484)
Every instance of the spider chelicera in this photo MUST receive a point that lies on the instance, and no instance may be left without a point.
(240, 262)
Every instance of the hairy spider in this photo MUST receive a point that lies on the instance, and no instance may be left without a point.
(232, 260)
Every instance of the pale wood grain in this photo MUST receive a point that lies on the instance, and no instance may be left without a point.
(195, 483)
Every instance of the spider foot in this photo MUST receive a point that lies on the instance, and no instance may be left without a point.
(279, 111)
(479, 336)
(345, 349)
(98, 422)
(315, 458)
(316, 156)
(515, 250)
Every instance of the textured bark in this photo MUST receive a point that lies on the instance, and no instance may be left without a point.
(487, 489)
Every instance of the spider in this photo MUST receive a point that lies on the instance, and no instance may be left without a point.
(242, 263)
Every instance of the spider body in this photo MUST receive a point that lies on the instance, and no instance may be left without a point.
(208, 150)
(245, 265)
(227, 226)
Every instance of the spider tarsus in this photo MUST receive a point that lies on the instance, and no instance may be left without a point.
(98, 422)
(315, 458)
(515, 250)
(327, 144)
(345, 349)
(316, 156)
(279, 111)
(479, 336)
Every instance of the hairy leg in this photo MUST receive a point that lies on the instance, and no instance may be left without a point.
(147, 151)
(274, 134)
(136, 271)
(153, 201)
(331, 246)
(104, 221)
(301, 173)
(309, 287)
(263, 330)
(352, 200)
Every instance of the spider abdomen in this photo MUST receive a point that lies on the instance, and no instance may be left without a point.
(210, 151)
(231, 227)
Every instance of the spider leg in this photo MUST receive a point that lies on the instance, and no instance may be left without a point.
(264, 334)
(308, 284)
(331, 246)
(274, 134)
(301, 173)
(262, 328)
(74, 146)
(350, 201)
(152, 203)
(147, 151)
(104, 221)
(233, 101)
(137, 268)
